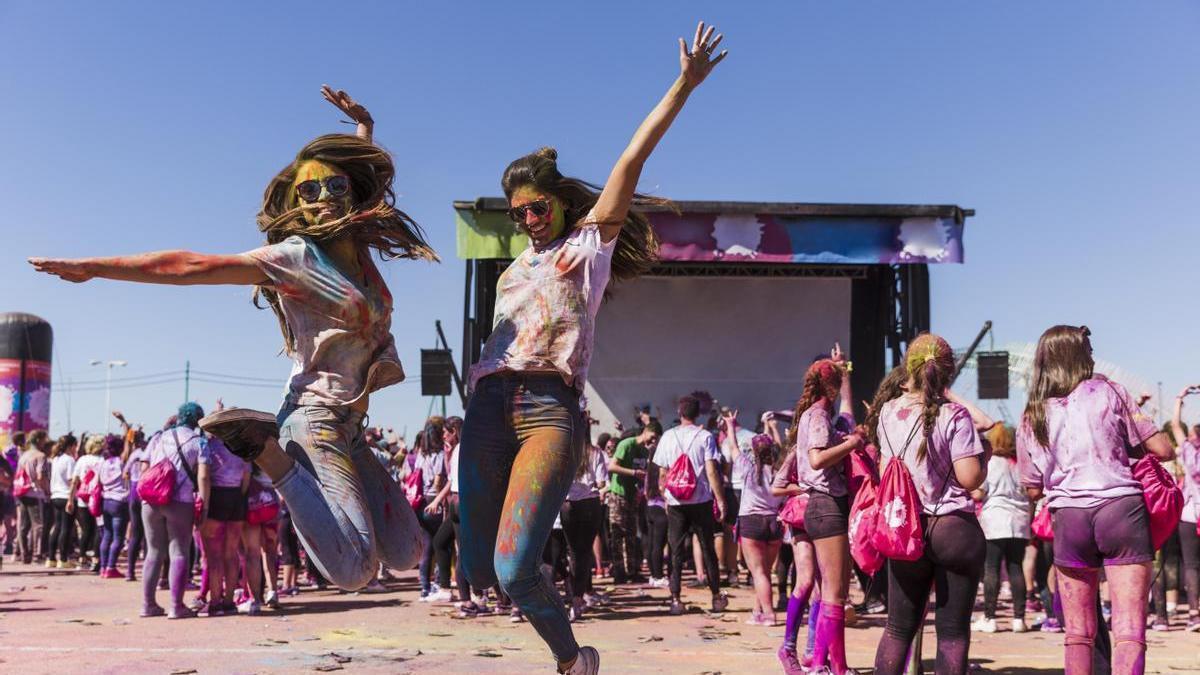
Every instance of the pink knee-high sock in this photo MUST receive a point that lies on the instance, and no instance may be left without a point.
(831, 638)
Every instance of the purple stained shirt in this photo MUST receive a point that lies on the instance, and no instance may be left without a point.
(815, 430)
(225, 468)
(953, 438)
(1086, 462)
(1189, 459)
(112, 479)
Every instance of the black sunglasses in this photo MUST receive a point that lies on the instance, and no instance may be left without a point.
(310, 190)
(539, 208)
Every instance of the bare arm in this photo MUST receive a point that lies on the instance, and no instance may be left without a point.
(823, 458)
(713, 471)
(365, 125)
(205, 479)
(970, 473)
(981, 419)
(163, 267)
(1177, 418)
(695, 64)
(1160, 447)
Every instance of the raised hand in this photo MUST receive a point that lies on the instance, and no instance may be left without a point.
(353, 109)
(836, 353)
(75, 271)
(696, 63)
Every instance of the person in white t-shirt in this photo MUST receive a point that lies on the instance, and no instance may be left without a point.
(88, 462)
(691, 513)
(62, 532)
(1005, 519)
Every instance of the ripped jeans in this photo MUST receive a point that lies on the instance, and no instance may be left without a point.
(522, 439)
(346, 509)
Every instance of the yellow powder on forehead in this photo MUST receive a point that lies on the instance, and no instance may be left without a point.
(526, 194)
(313, 169)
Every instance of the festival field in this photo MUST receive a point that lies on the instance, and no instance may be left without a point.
(321, 631)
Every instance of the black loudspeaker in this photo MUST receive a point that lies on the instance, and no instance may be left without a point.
(993, 375)
(436, 366)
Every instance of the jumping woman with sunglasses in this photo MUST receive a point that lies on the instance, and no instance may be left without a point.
(524, 435)
(323, 215)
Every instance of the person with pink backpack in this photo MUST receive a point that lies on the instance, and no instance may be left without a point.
(1075, 445)
(934, 458)
(687, 459)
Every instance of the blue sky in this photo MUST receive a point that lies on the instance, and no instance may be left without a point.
(1070, 127)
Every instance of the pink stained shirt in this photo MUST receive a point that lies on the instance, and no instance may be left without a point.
(1086, 462)
(344, 348)
(815, 430)
(545, 314)
(953, 438)
(1189, 459)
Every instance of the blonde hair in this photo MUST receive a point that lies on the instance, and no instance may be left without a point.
(94, 444)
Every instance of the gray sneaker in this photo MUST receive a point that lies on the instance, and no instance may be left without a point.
(243, 431)
(587, 663)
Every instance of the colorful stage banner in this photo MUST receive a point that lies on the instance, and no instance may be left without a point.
(754, 238)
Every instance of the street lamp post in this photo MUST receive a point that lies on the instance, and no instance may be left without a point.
(109, 365)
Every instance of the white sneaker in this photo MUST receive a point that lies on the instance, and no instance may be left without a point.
(659, 582)
(439, 596)
(1018, 626)
(1171, 607)
(272, 599)
(249, 607)
(587, 663)
(984, 626)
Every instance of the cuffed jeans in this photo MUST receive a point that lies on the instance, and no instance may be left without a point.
(522, 439)
(347, 510)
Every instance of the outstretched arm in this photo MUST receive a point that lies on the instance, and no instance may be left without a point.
(163, 267)
(845, 397)
(982, 421)
(353, 110)
(694, 64)
(1177, 418)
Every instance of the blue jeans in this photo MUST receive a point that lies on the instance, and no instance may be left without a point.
(522, 439)
(116, 517)
(347, 510)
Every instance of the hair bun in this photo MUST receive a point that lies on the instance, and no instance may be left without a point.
(547, 152)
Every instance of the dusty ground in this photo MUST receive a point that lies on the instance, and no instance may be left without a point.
(69, 622)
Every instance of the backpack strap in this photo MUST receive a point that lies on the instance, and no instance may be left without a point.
(183, 460)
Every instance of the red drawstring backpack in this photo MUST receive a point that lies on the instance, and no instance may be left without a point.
(792, 513)
(91, 492)
(22, 483)
(413, 491)
(681, 478)
(863, 514)
(897, 533)
(1043, 525)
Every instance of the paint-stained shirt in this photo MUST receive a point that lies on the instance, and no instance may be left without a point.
(1189, 458)
(953, 438)
(191, 448)
(112, 479)
(344, 348)
(757, 499)
(1005, 513)
(815, 430)
(546, 305)
(1086, 462)
(225, 468)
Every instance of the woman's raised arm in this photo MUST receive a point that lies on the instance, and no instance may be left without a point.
(164, 267)
(694, 65)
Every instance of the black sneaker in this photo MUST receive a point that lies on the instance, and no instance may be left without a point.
(244, 431)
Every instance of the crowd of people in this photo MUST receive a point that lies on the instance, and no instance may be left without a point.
(648, 507)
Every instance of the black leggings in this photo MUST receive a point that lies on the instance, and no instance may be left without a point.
(656, 529)
(1166, 573)
(289, 543)
(464, 586)
(581, 522)
(1189, 551)
(87, 531)
(443, 550)
(695, 519)
(951, 565)
(62, 534)
(1012, 552)
(137, 532)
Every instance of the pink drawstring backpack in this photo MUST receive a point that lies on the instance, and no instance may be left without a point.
(1043, 525)
(413, 489)
(1164, 499)
(898, 534)
(681, 478)
(863, 514)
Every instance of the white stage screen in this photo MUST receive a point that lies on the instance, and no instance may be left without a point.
(747, 340)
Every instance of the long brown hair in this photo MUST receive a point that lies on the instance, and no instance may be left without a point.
(930, 364)
(1003, 441)
(822, 381)
(1063, 359)
(372, 220)
(637, 244)
(892, 387)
